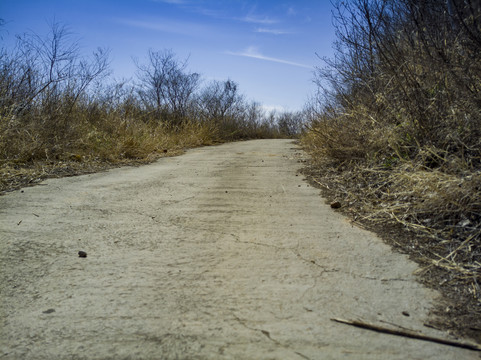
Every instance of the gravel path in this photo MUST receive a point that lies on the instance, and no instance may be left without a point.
(222, 253)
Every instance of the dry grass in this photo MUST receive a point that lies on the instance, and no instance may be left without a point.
(40, 144)
(396, 137)
(63, 115)
(432, 203)
(29, 152)
(432, 214)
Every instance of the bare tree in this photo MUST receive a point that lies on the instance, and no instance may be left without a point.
(220, 100)
(290, 123)
(410, 65)
(166, 86)
(48, 71)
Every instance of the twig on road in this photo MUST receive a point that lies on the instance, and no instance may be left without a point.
(409, 334)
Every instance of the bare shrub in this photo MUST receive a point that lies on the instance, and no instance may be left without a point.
(165, 85)
(61, 114)
(396, 125)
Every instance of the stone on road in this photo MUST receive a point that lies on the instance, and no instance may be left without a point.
(222, 253)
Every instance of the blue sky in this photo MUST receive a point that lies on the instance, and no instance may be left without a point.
(268, 47)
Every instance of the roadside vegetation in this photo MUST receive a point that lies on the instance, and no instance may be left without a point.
(395, 134)
(62, 114)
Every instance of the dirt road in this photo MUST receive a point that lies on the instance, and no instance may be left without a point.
(222, 253)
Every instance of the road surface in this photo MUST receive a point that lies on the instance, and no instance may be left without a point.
(222, 253)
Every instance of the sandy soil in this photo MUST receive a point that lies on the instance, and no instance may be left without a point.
(222, 253)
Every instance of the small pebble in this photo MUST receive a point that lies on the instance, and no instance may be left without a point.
(335, 205)
(82, 254)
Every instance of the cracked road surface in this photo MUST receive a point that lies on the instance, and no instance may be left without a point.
(222, 253)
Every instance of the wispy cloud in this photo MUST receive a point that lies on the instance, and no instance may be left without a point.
(273, 108)
(168, 26)
(291, 11)
(272, 31)
(252, 52)
(220, 13)
(175, 2)
(212, 13)
(255, 19)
